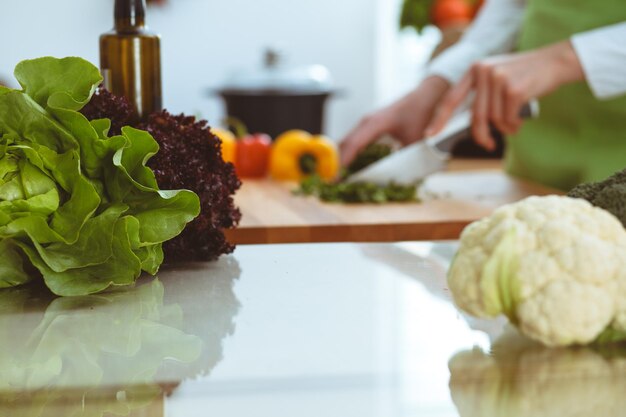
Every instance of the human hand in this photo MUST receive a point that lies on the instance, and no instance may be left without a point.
(503, 84)
(405, 119)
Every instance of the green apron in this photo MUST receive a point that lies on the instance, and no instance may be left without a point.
(577, 138)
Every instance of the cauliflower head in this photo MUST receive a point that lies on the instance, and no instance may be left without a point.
(555, 266)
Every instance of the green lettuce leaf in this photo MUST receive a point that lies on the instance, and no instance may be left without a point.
(79, 206)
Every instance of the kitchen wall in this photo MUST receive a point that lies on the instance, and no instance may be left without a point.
(205, 39)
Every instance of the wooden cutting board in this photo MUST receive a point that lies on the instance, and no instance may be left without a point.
(468, 191)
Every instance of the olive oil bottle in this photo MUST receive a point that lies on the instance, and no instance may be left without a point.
(130, 58)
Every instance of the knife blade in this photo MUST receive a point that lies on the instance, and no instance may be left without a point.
(413, 163)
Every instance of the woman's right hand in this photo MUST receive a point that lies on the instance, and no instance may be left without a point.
(405, 119)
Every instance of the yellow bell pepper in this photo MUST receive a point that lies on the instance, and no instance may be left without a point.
(229, 143)
(297, 154)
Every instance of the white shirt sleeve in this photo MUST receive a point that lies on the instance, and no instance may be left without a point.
(602, 54)
(494, 31)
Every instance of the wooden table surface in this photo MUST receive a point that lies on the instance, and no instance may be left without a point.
(468, 191)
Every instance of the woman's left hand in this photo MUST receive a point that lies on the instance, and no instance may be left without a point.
(503, 84)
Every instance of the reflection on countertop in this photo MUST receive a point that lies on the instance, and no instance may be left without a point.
(338, 330)
(113, 354)
(427, 264)
(523, 378)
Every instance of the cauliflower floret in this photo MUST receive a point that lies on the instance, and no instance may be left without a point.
(619, 324)
(563, 314)
(555, 266)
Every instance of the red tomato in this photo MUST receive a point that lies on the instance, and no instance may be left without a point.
(253, 155)
(449, 12)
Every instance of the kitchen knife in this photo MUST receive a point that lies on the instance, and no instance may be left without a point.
(413, 163)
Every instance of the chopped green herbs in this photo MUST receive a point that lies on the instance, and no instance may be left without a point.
(359, 192)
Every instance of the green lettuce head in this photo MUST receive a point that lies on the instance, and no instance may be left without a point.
(77, 205)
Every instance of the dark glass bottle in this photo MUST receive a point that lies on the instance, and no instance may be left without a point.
(130, 58)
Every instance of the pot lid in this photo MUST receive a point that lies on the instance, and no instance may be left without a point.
(275, 76)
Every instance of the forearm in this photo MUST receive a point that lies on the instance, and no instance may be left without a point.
(602, 56)
(494, 31)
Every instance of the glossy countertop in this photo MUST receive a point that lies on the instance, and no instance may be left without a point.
(291, 330)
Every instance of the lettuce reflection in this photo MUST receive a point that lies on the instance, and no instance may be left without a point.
(522, 378)
(114, 354)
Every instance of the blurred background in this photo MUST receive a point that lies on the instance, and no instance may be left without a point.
(204, 41)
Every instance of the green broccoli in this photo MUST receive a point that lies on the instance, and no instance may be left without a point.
(609, 194)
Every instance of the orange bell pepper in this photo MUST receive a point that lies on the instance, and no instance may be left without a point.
(229, 144)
